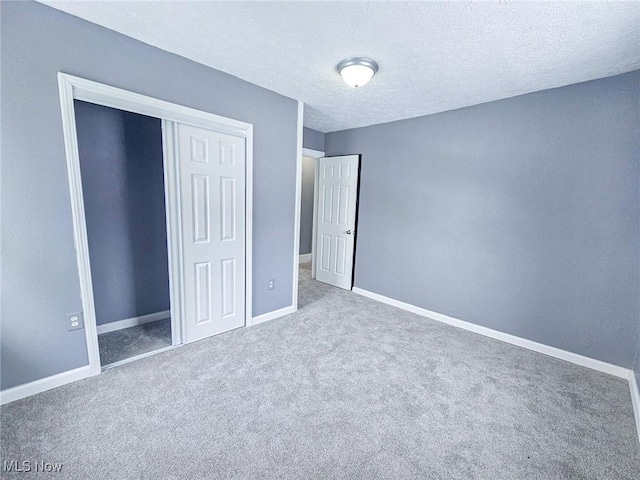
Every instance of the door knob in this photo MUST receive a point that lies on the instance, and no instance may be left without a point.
(348, 232)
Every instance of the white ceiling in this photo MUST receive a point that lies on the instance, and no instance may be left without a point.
(433, 56)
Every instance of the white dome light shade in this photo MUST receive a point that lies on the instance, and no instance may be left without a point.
(357, 72)
(356, 75)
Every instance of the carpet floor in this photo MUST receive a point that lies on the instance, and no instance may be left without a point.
(345, 388)
(129, 342)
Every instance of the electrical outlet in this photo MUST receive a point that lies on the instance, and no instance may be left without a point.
(272, 284)
(74, 321)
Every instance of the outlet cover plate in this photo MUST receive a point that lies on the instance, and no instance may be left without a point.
(75, 321)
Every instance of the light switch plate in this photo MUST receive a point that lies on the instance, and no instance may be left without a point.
(75, 321)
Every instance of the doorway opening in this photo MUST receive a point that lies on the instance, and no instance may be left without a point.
(121, 163)
(307, 201)
(175, 230)
(328, 217)
(309, 166)
(307, 223)
(337, 187)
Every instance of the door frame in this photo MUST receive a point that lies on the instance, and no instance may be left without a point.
(75, 88)
(316, 155)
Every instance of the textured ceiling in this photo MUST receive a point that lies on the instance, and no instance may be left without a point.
(433, 56)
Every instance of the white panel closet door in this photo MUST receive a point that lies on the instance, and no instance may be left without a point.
(212, 206)
(337, 197)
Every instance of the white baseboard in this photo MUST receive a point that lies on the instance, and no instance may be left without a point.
(635, 400)
(133, 321)
(44, 384)
(503, 337)
(265, 317)
(305, 258)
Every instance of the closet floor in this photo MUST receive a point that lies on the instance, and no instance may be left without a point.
(129, 342)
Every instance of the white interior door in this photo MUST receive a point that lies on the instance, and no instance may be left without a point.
(337, 197)
(212, 170)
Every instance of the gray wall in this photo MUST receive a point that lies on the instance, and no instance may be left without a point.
(520, 215)
(306, 210)
(312, 139)
(123, 187)
(39, 272)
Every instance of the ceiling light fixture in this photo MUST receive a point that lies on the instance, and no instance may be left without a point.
(357, 71)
